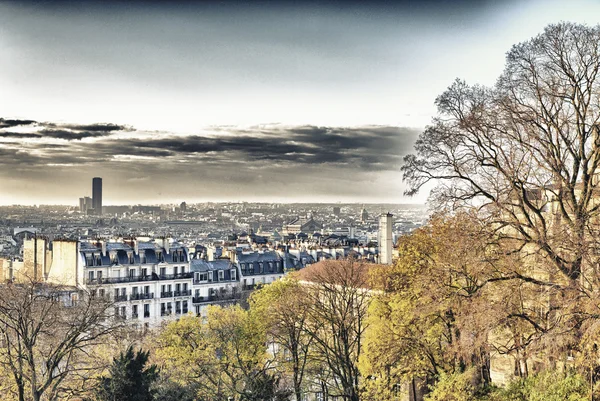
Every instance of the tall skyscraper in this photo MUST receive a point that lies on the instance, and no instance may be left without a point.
(97, 195)
(384, 239)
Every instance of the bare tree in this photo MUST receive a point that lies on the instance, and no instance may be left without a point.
(338, 297)
(525, 152)
(48, 334)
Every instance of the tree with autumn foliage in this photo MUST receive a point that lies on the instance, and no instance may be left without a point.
(282, 306)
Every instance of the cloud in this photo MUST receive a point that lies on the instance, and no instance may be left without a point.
(14, 123)
(72, 135)
(271, 160)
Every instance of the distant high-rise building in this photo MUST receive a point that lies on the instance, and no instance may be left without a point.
(97, 195)
(87, 204)
(384, 239)
(364, 216)
(336, 210)
(183, 207)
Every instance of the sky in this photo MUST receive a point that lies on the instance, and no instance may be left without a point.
(238, 101)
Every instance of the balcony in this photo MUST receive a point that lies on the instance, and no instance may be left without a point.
(141, 296)
(176, 276)
(182, 293)
(120, 298)
(134, 279)
(116, 280)
(168, 294)
(146, 314)
(216, 298)
(166, 312)
(134, 315)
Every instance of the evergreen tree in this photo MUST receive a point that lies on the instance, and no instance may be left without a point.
(129, 378)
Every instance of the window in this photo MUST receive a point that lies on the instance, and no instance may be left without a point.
(178, 307)
(270, 267)
(260, 267)
(174, 257)
(99, 274)
(89, 261)
(146, 310)
(123, 312)
(131, 259)
(134, 311)
(134, 291)
(233, 275)
(243, 268)
(98, 261)
(251, 268)
(185, 307)
(144, 272)
(116, 293)
(101, 292)
(185, 287)
(131, 273)
(143, 258)
(147, 289)
(163, 309)
(163, 271)
(93, 293)
(182, 269)
(181, 258)
(221, 275)
(162, 288)
(91, 275)
(123, 291)
(175, 270)
(178, 289)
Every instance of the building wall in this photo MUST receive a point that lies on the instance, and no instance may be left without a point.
(384, 239)
(35, 252)
(65, 268)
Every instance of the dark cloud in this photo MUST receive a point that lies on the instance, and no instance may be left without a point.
(72, 135)
(90, 127)
(228, 162)
(4, 123)
(18, 135)
(68, 132)
(368, 148)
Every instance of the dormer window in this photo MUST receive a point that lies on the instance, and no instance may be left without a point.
(181, 257)
(174, 257)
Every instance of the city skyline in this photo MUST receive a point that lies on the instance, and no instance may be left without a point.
(231, 101)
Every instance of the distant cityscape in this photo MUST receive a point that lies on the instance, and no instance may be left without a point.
(167, 260)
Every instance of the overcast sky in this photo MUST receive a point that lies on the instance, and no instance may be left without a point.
(269, 101)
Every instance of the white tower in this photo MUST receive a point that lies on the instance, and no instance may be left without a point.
(384, 239)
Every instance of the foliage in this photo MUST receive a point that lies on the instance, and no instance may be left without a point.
(220, 357)
(129, 378)
(283, 308)
(545, 386)
(454, 387)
